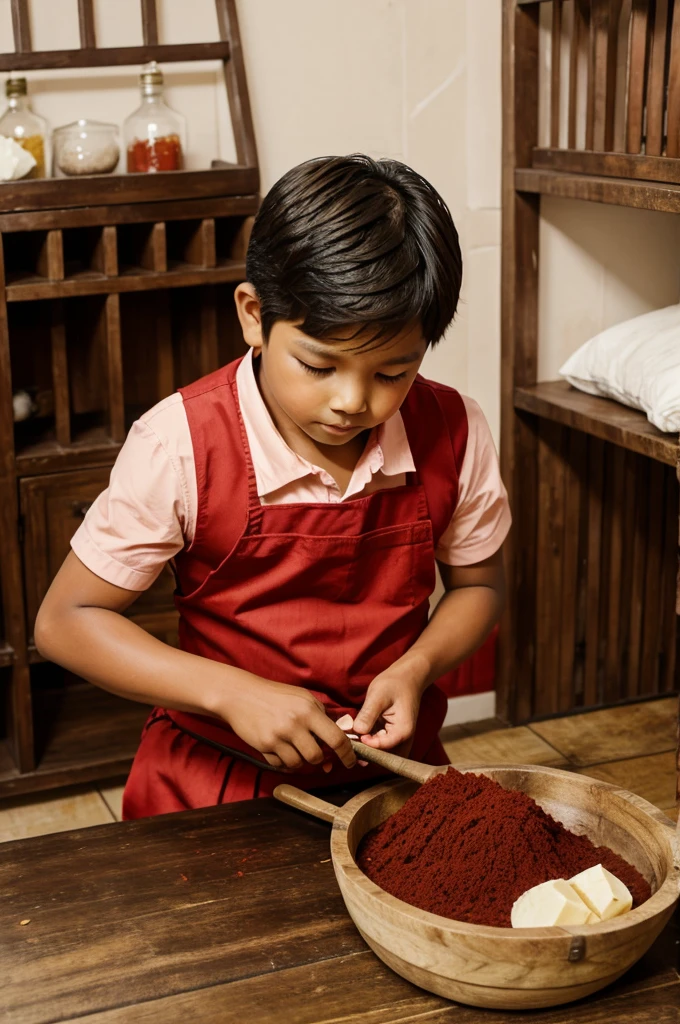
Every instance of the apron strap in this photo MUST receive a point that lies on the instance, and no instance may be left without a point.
(437, 431)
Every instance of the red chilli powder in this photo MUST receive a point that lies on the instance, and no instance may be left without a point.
(464, 847)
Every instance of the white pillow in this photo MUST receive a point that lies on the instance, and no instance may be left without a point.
(637, 363)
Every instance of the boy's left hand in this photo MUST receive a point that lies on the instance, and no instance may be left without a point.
(393, 701)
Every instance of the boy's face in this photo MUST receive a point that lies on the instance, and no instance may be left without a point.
(328, 389)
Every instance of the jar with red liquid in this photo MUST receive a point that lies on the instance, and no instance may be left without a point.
(155, 135)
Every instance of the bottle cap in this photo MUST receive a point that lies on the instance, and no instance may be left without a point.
(15, 87)
(151, 74)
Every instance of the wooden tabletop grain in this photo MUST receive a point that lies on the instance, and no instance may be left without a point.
(228, 914)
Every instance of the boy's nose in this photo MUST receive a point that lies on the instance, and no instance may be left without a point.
(349, 402)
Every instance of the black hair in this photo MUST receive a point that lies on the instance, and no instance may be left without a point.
(352, 242)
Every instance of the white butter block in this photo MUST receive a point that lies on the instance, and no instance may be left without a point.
(603, 892)
(550, 903)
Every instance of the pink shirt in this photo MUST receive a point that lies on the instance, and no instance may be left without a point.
(148, 512)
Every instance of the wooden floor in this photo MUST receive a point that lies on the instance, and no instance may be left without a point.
(631, 746)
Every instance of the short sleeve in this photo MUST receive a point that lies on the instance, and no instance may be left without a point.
(147, 513)
(482, 517)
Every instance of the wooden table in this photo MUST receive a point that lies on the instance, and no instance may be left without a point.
(228, 914)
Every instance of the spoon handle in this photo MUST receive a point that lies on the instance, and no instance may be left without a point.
(305, 802)
(394, 763)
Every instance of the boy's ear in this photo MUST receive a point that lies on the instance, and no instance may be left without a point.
(249, 314)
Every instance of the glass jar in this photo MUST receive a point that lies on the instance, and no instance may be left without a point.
(85, 147)
(21, 124)
(155, 135)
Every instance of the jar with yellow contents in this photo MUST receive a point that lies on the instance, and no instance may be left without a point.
(21, 124)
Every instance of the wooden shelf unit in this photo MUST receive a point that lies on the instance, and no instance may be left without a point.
(593, 556)
(114, 291)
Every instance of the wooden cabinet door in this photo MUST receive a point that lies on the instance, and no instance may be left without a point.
(52, 508)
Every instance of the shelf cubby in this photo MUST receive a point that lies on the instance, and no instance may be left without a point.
(142, 247)
(191, 243)
(89, 252)
(33, 256)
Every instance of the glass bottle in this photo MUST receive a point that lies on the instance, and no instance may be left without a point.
(154, 135)
(21, 124)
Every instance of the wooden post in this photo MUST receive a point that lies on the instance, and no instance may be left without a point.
(19, 710)
(237, 90)
(519, 339)
(88, 39)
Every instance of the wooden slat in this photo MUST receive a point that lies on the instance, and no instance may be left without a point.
(21, 26)
(673, 107)
(590, 73)
(591, 695)
(614, 504)
(616, 165)
(555, 61)
(62, 408)
(577, 35)
(669, 562)
(51, 257)
(630, 485)
(154, 254)
(183, 276)
(637, 194)
(105, 256)
(637, 58)
(649, 665)
(149, 22)
(575, 470)
(638, 559)
(549, 565)
(207, 236)
(114, 366)
(237, 88)
(88, 39)
(45, 193)
(112, 56)
(199, 246)
(656, 81)
(602, 74)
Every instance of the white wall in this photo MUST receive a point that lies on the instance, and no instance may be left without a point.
(418, 80)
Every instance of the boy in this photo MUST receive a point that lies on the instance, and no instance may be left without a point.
(303, 494)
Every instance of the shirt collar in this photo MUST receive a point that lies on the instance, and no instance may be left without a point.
(276, 464)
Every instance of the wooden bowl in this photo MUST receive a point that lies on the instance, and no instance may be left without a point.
(508, 968)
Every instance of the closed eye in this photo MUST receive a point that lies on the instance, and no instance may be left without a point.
(316, 371)
(387, 379)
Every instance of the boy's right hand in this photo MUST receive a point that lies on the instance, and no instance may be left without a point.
(285, 723)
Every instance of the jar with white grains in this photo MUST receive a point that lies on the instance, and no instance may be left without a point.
(85, 147)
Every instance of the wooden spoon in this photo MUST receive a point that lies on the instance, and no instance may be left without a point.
(414, 770)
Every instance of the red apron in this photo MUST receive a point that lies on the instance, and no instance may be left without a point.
(324, 596)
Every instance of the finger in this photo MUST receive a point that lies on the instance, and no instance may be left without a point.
(335, 738)
(389, 737)
(289, 755)
(369, 714)
(307, 747)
